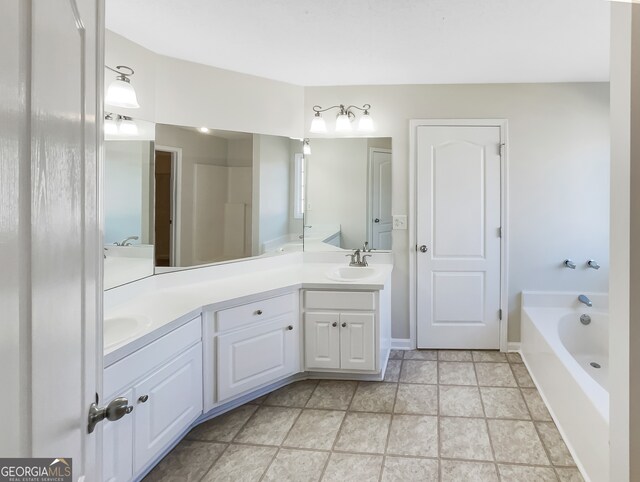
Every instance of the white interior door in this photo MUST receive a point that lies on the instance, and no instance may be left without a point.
(380, 222)
(50, 239)
(458, 223)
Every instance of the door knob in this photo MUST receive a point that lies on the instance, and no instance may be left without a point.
(423, 248)
(376, 220)
(334, 324)
(115, 410)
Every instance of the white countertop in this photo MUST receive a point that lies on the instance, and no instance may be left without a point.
(166, 303)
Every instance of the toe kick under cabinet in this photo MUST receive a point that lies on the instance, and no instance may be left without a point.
(346, 331)
(249, 346)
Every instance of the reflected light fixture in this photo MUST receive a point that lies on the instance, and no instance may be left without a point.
(116, 124)
(203, 130)
(306, 147)
(120, 92)
(345, 117)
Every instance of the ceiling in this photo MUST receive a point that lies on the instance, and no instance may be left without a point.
(376, 42)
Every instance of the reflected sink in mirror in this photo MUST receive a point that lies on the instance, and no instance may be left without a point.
(352, 273)
(121, 328)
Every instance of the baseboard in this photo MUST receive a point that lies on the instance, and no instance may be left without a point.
(513, 346)
(401, 344)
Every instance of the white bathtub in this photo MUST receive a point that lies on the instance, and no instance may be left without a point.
(559, 351)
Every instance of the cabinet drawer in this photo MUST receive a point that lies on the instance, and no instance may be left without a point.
(126, 371)
(243, 315)
(340, 300)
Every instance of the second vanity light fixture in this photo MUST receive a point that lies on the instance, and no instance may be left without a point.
(115, 124)
(120, 92)
(345, 117)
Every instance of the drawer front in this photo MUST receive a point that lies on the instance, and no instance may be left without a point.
(257, 355)
(173, 400)
(244, 315)
(340, 300)
(126, 371)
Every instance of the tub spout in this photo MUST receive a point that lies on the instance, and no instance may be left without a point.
(585, 300)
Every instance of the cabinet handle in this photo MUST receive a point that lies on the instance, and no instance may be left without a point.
(334, 324)
(259, 312)
(290, 327)
(143, 398)
(344, 325)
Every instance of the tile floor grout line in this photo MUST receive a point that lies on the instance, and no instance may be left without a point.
(438, 419)
(486, 424)
(386, 444)
(269, 465)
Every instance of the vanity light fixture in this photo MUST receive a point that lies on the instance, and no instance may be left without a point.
(306, 147)
(203, 130)
(343, 120)
(116, 124)
(120, 92)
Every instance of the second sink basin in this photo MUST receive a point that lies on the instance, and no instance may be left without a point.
(121, 328)
(352, 273)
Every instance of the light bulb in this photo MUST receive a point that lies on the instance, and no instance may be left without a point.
(122, 94)
(365, 124)
(204, 130)
(318, 125)
(343, 124)
(306, 148)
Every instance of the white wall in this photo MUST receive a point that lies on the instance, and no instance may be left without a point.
(337, 187)
(271, 170)
(558, 174)
(127, 172)
(172, 91)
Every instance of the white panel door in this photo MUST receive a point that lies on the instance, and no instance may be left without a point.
(117, 447)
(380, 224)
(254, 356)
(321, 340)
(458, 222)
(357, 341)
(166, 403)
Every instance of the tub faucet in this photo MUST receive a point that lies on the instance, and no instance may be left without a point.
(585, 300)
(126, 242)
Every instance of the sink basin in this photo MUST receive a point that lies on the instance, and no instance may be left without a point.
(352, 273)
(121, 328)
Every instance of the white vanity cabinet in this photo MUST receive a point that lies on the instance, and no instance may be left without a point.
(250, 345)
(163, 383)
(346, 331)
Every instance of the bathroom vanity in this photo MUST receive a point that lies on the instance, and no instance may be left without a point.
(207, 340)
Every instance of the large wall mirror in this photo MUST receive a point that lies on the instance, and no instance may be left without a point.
(348, 194)
(177, 197)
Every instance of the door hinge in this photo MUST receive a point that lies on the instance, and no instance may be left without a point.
(501, 148)
(500, 314)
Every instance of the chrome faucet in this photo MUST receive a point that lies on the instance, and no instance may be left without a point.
(126, 242)
(585, 300)
(569, 264)
(356, 260)
(593, 264)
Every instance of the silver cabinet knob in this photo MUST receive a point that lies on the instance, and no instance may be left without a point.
(259, 312)
(344, 325)
(143, 398)
(593, 264)
(376, 220)
(334, 324)
(423, 248)
(569, 264)
(290, 327)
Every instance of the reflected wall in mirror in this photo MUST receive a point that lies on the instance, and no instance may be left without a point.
(348, 199)
(196, 197)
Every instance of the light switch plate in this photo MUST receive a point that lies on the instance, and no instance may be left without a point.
(399, 221)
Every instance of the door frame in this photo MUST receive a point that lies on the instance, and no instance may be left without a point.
(176, 199)
(504, 211)
(370, 189)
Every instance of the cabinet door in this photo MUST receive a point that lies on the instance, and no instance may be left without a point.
(254, 356)
(322, 340)
(117, 447)
(357, 341)
(174, 401)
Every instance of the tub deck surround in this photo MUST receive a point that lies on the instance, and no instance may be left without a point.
(171, 299)
(557, 348)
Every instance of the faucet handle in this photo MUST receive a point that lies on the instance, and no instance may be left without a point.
(364, 259)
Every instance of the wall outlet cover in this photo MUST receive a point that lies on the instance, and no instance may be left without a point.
(399, 221)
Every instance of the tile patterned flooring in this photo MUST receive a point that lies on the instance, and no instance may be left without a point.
(442, 416)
